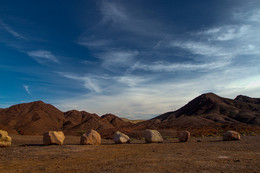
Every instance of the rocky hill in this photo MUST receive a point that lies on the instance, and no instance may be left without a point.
(207, 113)
(212, 108)
(38, 117)
(31, 118)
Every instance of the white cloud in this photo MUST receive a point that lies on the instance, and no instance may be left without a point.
(26, 87)
(169, 67)
(226, 33)
(201, 48)
(132, 81)
(116, 58)
(42, 56)
(10, 30)
(88, 82)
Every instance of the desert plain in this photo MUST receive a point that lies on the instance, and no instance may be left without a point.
(207, 154)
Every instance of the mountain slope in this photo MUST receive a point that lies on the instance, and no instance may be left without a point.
(217, 109)
(206, 114)
(32, 118)
(35, 118)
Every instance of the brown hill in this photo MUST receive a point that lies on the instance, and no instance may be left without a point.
(31, 118)
(248, 99)
(212, 108)
(208, 113)
(35, 118)
(81, 121)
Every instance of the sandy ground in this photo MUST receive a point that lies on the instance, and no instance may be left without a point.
(27, 154)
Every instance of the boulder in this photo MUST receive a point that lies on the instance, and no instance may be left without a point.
(53, 138)
(120, 138)
(231, 135)
(152, 136)
(92, 137)
(5, 140)
(184, 136)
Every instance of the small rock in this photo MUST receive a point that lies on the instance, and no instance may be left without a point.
(53, 138)
(92, 137)
(120, 138)
(5, 140)
(152, 136)
(184, 136)
(231, 135)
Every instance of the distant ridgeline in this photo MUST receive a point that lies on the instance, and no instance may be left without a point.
(207, 113)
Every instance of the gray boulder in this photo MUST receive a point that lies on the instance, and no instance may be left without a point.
(152, 136)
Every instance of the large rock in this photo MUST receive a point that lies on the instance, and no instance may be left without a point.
(231, 135)
(184, 136)
(5, 140)
(120, 138)
(152, 136)
(92, 137)
(53, 138)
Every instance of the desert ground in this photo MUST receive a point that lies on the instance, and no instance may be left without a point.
(27, 154)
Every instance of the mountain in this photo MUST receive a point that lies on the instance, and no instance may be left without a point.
(248, 99)
(210, 107)
(31, 118)
(35, 118)
(207, 113)
(212, 113)
(80, 121)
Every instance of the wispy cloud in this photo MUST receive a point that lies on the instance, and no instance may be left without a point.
(117, 58)
(42, 56)
(8, 29)
(200, 48)
(88, 82)
(226, 33)
(26, 87)
(93, 43)
(113, 12)
(132, 81)
(123, 18)
(170, 67)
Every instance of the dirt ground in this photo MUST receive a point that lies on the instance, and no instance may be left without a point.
(27, 154)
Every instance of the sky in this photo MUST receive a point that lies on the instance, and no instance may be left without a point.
(135, 59)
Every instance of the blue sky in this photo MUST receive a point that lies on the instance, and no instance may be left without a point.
(136, 59)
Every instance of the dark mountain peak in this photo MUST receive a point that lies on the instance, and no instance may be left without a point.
(109, 116)
(79, 116)
(247, 99)
(114, 120)
(208, 96)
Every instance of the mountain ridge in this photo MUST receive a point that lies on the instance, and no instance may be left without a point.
(207, 112)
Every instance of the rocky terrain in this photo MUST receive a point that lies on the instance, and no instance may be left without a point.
(210, 155)
(206, 114)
